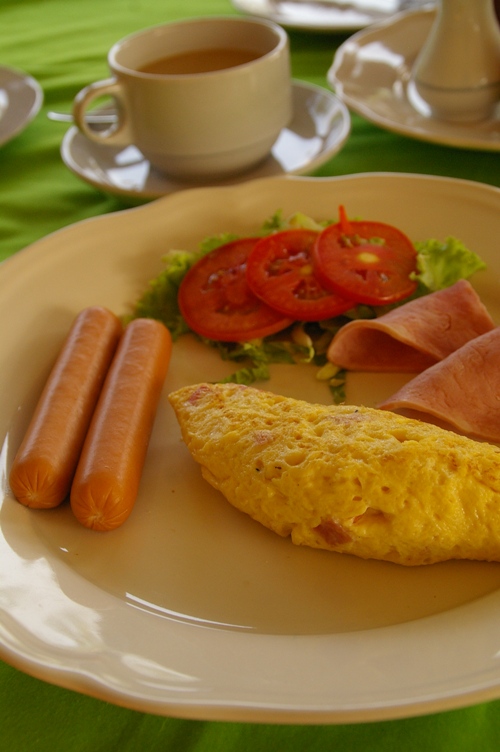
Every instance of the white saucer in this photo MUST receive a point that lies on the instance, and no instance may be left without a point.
(20, 100)
(320, 126)
(371, 74)
(325, 15)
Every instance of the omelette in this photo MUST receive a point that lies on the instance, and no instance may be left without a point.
(349, 479)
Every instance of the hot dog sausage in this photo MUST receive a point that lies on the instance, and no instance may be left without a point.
(46, 460)
(107, 478)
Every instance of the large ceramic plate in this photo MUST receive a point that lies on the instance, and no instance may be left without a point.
(192, 609)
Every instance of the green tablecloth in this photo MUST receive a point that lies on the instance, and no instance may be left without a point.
(63, 45)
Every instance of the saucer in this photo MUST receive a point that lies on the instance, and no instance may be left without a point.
(320, 126)
(20, 100)
(325, 15)
(371, 74)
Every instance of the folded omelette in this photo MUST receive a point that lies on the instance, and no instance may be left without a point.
(349, 479)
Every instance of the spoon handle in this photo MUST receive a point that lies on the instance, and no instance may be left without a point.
(96, 119)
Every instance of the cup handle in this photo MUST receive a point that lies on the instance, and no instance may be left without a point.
(118, 133)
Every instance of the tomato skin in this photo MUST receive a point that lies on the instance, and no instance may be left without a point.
(280, 272)
(374, 274)
(217, 303)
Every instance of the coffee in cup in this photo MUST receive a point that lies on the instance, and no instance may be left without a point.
(201, 98)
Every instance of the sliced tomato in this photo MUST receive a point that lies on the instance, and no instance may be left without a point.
(280, 272)
(370, 262)
(217, 303)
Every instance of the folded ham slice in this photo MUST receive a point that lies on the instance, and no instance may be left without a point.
(462, 391)
(414, 336)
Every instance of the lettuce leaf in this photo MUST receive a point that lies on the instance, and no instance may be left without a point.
(441, 264)
(258, 355)
(159, 300)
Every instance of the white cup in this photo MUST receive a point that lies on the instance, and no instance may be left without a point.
(194, 125)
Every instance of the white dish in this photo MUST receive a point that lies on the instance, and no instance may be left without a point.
(371, 74)
(20, 100)
(324, 15)
(192, 609)
(320, 127)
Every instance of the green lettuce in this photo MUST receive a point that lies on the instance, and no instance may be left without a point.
(441, 264)
(159, 300)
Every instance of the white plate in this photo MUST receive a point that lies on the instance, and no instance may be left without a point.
(324, 15)
(192, 609)
(20, 100)
(320, 127)
(371, 74)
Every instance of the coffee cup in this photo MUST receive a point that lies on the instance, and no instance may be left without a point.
(201, 98)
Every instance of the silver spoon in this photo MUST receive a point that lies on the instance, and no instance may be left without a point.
(93, 119)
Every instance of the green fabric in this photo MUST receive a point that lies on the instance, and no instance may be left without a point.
(63, 44)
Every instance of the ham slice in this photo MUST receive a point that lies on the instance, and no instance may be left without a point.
(462, 391)
(414, 336)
